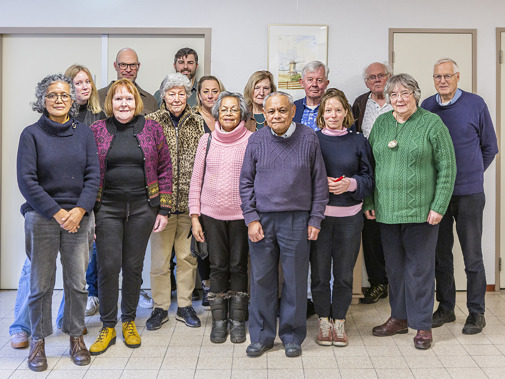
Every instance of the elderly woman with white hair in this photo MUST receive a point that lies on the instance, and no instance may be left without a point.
(415, 169)
(183, 130)
(214, 202)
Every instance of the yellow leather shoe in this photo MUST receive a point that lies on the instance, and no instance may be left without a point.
(130, 334)
(106, 338)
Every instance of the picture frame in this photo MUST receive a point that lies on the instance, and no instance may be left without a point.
(290, 48)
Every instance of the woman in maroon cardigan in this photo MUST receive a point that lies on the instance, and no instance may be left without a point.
(132, 202)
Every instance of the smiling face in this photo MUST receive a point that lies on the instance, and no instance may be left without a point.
(123, 105)
(59, 103)
(446, 87)
(209, 93)
(314, 83)
(82, 86)
(127, 65)
(260, 91)
(279, 113)
(187, 66)
(403, 102)
(334, 114)
(175, 100)
(229, 113)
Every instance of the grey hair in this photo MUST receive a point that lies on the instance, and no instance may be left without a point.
(405, 80)
(39, 105)
(386, 65)
(279, 93)
(313, 66)
(244, 109)
(175, 80)
(445, 60)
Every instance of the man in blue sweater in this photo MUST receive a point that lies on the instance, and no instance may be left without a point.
(284, 192)
(469, 123)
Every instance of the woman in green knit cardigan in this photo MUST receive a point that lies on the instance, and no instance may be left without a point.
(415, 169)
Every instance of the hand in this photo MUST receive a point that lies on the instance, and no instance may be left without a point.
(73, 218)
(313, 232)
(255, 231)
(370, 214)
(58, 216)
(197, 229)
(434, 218)
(160, 223)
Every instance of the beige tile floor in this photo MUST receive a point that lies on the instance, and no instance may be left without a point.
(176, 351)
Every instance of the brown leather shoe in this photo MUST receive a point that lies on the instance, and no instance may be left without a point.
(391, 327)
(423, 339)
(37, 360)
(78, 351)
(84, 331)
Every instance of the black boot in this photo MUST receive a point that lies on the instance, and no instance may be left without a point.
(219, 309)
(238, 311)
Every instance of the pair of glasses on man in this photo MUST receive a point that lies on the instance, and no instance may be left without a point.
(131, 66)
(62, 96)
(375, 77)
(447, 77)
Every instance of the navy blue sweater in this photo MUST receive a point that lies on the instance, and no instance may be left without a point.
(473, 136)
(57, 167)
(348, 155)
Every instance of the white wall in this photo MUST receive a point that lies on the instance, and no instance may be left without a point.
(358, 34)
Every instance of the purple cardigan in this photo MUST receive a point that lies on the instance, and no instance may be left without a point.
(157, 166)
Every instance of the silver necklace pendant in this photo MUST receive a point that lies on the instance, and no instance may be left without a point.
(392, 144)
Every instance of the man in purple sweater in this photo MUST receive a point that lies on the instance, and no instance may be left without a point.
(469, 123)
(284, 192)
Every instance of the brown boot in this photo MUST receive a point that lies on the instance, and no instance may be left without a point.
(37, 360)
(423, 339)
(390, 327)
(78, 351)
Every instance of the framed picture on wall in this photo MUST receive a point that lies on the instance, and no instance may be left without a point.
(290, 48)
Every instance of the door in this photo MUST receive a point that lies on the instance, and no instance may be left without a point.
(414, 51)
(500, 180)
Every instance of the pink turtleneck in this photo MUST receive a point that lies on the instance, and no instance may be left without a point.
(219, 198)
(334, 211)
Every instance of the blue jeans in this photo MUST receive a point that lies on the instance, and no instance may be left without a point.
(44, 239)
(467, 211)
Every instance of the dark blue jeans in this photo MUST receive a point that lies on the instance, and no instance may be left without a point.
(92, 274)
(44, 239)
(409, 250)
(467, 212)
(338, 242)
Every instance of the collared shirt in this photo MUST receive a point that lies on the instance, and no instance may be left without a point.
(310, 115)
(288, 132)
(192, 97)
(372, 111)
(452, 101)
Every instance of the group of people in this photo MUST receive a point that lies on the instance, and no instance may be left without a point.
(261, 176)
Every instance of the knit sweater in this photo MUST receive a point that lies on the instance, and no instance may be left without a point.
(473, 136)
(219, 198)
(418, 174)
(57, 167)
(284, 175)
(182, 142)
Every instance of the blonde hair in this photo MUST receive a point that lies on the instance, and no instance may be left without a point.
(198, 106)
(130, 87)
(333, 93)
(258, 76)
(93, 101)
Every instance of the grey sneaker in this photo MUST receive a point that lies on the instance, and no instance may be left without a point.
(91, 306)
(145, 301)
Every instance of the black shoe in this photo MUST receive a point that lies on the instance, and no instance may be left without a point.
(158, 318)
(256, 349)
(474, 324)
(196, 295)
(205, 298)
(311, 310)
(374, 293)
(441, 316)
(219, 331)
(293, 350)
(188, 316)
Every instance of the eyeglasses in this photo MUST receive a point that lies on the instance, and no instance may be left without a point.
(131, 66)
(447, 77)
(228, 110)
(375, 77)
(404, 95)
(62, 96)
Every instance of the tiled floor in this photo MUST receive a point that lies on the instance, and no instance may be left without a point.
(176, 351)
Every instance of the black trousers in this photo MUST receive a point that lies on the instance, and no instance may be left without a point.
(373, 253)
(228, 254)
(122, 232)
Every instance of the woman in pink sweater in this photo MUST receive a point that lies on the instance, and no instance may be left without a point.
(215, 208)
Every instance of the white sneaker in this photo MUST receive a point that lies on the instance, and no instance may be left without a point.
(91, 306)
(145, 301)
(339, 336)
